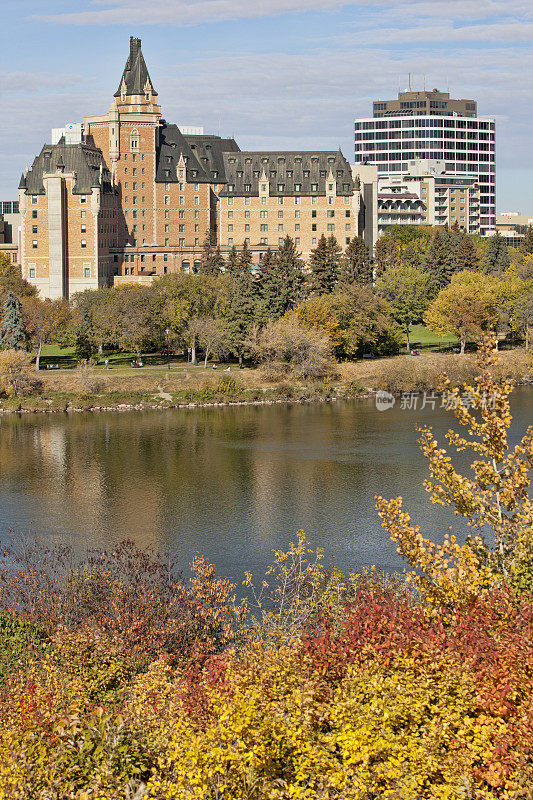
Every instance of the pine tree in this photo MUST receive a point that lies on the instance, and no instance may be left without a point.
(527, 244)
(325, 262)
(12, 333)
(241, 312)
(356, 264)
(282, 281)
(497, 259)
(245, 259)
(440, 260)
(386, 255)
(212, 259)
(465, 256)
(232, 263)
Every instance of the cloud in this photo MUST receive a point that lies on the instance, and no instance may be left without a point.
(35, 82)
(187, 12)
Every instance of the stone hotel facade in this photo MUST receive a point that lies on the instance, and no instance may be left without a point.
(126, 197)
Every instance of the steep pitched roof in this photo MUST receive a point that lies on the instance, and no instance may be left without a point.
(135, 75)
(85, 160)
(203, 156)
(287, 169)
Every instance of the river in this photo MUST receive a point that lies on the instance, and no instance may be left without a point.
(231, 483)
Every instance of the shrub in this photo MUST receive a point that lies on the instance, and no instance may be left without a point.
(17, 377)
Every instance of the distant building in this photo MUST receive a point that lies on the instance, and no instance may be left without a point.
(428, 195)
(9, 229)
(431, 125)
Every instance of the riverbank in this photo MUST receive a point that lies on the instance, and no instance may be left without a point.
(93, 389)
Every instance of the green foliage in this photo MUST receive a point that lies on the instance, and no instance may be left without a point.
(20, 642)
(356, 264)
(325, 262)
(497, 259)
(12, 332)
(406, 289)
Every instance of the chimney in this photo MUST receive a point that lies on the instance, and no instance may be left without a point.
(135, 46)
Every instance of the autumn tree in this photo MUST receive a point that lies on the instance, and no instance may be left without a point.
(182, 297)
(523, 314)
(386, 255)
(12, 281)
(465, 256)
(45, 320)
(407, 291)
(209, 333)
(306, 351)
(527, 242)
(467, 307)
(241, 312)
(136, 321)
(356, 264)
(12, 333)
(493, 498)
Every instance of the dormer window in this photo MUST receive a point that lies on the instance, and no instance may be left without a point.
(147, 95)
(306, 173)
(247, 187)
(281, 187)
(322, 173)
(239, 173)
(331, 159)
(232, 160)
(289, 173)
(314, 187)
(272, 173)
(231, 187)
(297, 187)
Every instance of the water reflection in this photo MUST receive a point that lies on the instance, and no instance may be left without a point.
(231, 483)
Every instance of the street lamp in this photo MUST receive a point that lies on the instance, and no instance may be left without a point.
(167, 333)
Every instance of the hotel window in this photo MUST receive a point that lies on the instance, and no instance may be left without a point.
(313, 240)
(280, 228)
(331, 226)
(330, 187)
(34, 244)
(166, 214)
(314, 187)
(181, 228)
(32, 272)
(34, 199)
(196, 228)
(230, 242)
(331, 213)
(166, 228)
(297, 226)
(280, 201)
(313, 226)
(86, 272)
(182, 242)
(182, 187)
(246, 228)
(165, 256)
(230, 201)
(34, 229)
(297, 214)
(263, 228)
(230, 214)
(196, 200)
(83, 243)
(347, 214)
(280, 214)
(247, 215)
(84, 228)
(133, 172)
(246, 241)
(330, 201)
(196, 242)
(246, 201)
(230, 228)
(83, 198)
(34, 214)
(314, 201)
(281, 187)
(82, 214)
(166, 242)
(280, 241)
(134, 185)
(263, 214)
(297, 201)
(196, 215)
(167, 200)
(263, 241)
(167, 187)
(263, 201)
(134, 200)
(297, 241)
(313, 213)
(181, 214)
(347, 240)
(134, 214)
(263, 189)
(182, 200)
(196, 187)
(347, 226)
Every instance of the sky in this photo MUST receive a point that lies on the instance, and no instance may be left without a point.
(275, 74)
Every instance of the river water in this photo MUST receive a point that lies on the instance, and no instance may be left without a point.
(231, 483)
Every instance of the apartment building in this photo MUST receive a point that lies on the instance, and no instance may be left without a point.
(431, 125)
(428, 195)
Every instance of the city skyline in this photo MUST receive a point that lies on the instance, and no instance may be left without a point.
(275, 80)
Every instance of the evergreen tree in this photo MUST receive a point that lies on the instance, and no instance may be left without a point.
(241, 312)
(245, 259)
(386, 255)
(497, 259)
(325, 262)
(212, 259)
(232, 263)
(440, 260)
(282, 282)
(356, 265)
(12, 332)
(465, 256)
(527, 244)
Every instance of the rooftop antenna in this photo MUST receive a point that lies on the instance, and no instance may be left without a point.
(409, 81)
(424, 83)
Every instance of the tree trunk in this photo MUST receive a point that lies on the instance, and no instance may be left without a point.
(206, 357)
(240, 359)
(100, 350)
(408, 341)
(527, 338)
(193, 351)
(463, 344)
(38, 357)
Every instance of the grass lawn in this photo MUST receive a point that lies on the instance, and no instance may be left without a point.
(420, 336)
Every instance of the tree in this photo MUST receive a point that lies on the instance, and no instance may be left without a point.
(467, 307)
(325, 262)
(497, 259)
(440, 260)
(356, 264)
(466, 256)
(232, 263)
(45, 321)
(212, 259)
(12, 333)
(306, 351)
(407, 290)
(386, 255)
(240, 314)
(493, 497)
(16, 374)
(245, 259)
(12, 281)
(527, 243)
(523, 314)
(182, 297)
(282, 282)
(136, 321)
(209, 333)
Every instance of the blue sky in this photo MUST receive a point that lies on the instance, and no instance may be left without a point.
(276, 74)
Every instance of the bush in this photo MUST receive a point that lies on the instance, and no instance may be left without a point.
(17, 377)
